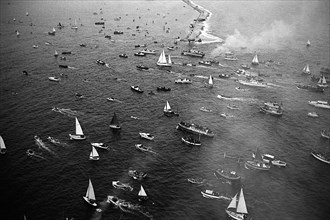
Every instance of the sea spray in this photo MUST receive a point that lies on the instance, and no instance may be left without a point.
(41, 144)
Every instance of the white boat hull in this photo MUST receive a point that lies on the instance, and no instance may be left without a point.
(89, 201)
(235, 215)
(77, 137)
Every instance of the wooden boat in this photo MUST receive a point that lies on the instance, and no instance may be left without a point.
(195, 128)
(100, 145)
(94, 155)
(90, 195)
(237, 209)
(255, 60)
(79, 132)
(191, 141)
(114, 124)
(123, 186)
(54, 78)
(147, 136)
(168, 110)
(136, 89)
(142, 194)
(325, 134)
(257, 162)
(230, 175)
(3, 148)
(321, 157)
(162, 60)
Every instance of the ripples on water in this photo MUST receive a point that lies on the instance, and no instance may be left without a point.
(52, 188)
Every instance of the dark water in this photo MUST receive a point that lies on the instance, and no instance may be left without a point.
(53, 188)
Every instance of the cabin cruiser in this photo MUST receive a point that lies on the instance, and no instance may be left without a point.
(194, 128)
(320, 104)
(193, 52)
(183, 81)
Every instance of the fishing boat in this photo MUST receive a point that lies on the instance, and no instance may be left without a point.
(230, 175)
(308, 43)
(79, 132)
(306, 69)
(322, 82)
(252, 82)
(320, 104)
(142, 194)
(94, 155)
(147, 136)
(90, 195)
(54, 78)
(3, 148)
(168, 110)
(114, 124)
(325, 134)
(162, 60)
(313, 114)
(210, 82)
(237, 209)
(137, 175)
(74, 25)
(100, 145)
(195, 128)
(136, 89)
(257, 162)
(183, 81)
(211, 194)
(255, 60)
(123, 186)
(191, 141)
(193, 53)
(141, 147)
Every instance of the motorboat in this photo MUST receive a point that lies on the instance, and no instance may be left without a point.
(140, 54)
(141, 67)
(195, 128)
(313, 114)
(325, 134)
(100, 62)
(54, 78)
(279, 163)
(137, 175)
(191, 141)
(268, 158)
(147, 136)
(136, 89)
(183, 81)
(211, 194)
(107, 36)
(193, 53)
(124, 186)
(252, 82)
(204, 109)
(230, 175)
(100, 145)
(272, 111)
(35, 46)
(196, 180)
(163, 88)
(123, 55)
(320, 104)
(205, 63)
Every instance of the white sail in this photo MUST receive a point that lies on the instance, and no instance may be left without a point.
(90, 191)
(308, 43)
(324, 81)
(241, 206)
(233, 202)
(56, 53)
(169, 59)
(2, 146)
(255, 59)
(306, 69)
(142, 192)
(162, 58)
(211, 80)
(54, 30)
(94, 153)
(167, 106)
(78, 128)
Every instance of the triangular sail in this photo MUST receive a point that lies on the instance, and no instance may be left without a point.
(162, 58)
(90, 191)
(78, 128)
(56, 53)
(324, 81)
(255, 59)
(169, 59)
(211, 80)
(114, 120)
(241, 206)
(306, 69)
(233, 202)
(142, 192)
(54, 30)
(94, 152)
(167, 106)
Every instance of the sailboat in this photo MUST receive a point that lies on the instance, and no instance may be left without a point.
(17, 33)
(114, 124)
(308, 43)
(56, 53)
(306, 69)
(255, 60)
(322, 82)
(94, 155)
(257, 163)
(90, 195)
(168, 110)
(79, 132)
(2, 146)
(237, 210)
(142, 194)
(75, 25)
(210, 82)
(162, 60)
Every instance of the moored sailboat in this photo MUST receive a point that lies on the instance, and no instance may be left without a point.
(90, 195)
(3, 148)
(162, 60)
(114, 124)
(237, 209)
(94, 155)
(255, 60)
(79, 132)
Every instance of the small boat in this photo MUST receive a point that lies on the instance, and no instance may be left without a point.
(210, 82)
(230, 58)
(195, 128)
(163, 88)
(141, 67)
(123, 55)
(196, 180)
(205, 63)
(142, 194)
(225, 115)
(224, 76)
(313, 114)
(237, 209)
(136, 89)
(306, 69)
(140, 54)
(147, 136)
(147, 51)
(268, 158)
(123, 186)
(279, 163)
(141, 147)
(79, 132)
(308, 43)
(193, 53)
(183, 81)
(257, 162)
(171, 48)
(226, 97)
(325, 134)
(94, 155)
(3, 148)
(233, 107)
(100, 62)
(211, 194)
(253, 82)
(322, 82)
(321, 157)
(168, 110)
(162, 61)
(137, 175)
(100, 145)
(255, 60)
(320, 104)
(245, 66)
(99, 23)
(272, 111)
(230, 175)
(54, 78)
(191, 141)
(53, 140)
(66, 52)
(114, 124)
(90, 195)
(107, 36)
(118, 32)
(35, 46)
(204, 109)
(56, 54)
(75, 25)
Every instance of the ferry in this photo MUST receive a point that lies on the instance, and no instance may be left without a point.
(194, 128)
(193, 53)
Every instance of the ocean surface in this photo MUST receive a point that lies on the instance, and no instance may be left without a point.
(51, 186)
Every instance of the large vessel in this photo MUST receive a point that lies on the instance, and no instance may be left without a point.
(320, 104)
(193, 53)
(194, 128)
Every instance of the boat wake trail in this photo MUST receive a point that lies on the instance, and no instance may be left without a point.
(41, 144)
(31, 153)
(56, 141)
(66, 111)
(73, 68)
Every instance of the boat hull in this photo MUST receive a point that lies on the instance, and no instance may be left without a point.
(190, 143)
(320, 158)
(77, 137)
(194, 131)
(254, 165)
(234, 215)
(115, 127)
(89, 201)
(227, 175)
